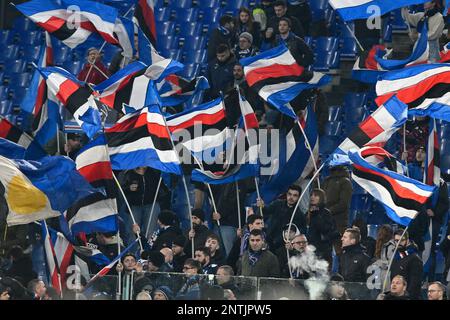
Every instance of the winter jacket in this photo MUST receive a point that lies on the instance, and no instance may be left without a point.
(296, 25)
(244, 53)
(301, 10)
(338, 189)
(146, 189)
(178, 262)
(95, 76)
(201, 234)
(408, 264)
(220, 75)
(266, 266)
(218, 258)
(165, 238)
(219, 36)
(277, 215)
(255, 32)
(418, 228)
(435, 23)
(389, 296)
(190, 290)
(22, 270)
(353, 264)
(302, 54)
(322, 232)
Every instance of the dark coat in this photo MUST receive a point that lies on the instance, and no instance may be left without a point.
(255, 32)
(302, 54)
(146, 189)
(218, 36)
(296, 26)
(338, 189)
(166, 237)
(353, 264)
(322, 232)
(178, 262)
(201, 234)
(302, 11)
(389, 296)
(267, 266)
(220, 75)
(409, 266)
(22, 270)
(277, 215)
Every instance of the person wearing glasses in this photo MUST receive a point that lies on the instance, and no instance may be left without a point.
(436, 291)
(191, 289)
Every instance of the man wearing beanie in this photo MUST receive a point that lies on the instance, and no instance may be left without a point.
(179, 256)
(199, 233)
(245, 47)
(163, 293)
(167, 231)
(155, 260)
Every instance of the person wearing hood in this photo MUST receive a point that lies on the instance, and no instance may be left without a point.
(220, 70)
(353, 261)
(199, 233)
(179, 256)
(408, 264)
(435, 22)
(338, 189)
(163, 293)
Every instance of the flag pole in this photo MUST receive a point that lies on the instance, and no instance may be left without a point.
(392, 259)
(153, 206)
(259, 196)
(182, 176)
(354, 36)
(55, 261)
(404, 149)
(119, 284)
(101, 48)
(238, 205)
(298, 203)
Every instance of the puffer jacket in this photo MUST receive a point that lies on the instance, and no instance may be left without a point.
(353, 263)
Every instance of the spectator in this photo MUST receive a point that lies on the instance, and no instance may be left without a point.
(38, 290)
(336, 289)
(94, 71)
(213, 243)
(153, 261)
(4, 293)
(408, 264)
(119, 61)
(220, 70)
(252, 97)
(140, 186)
(384, 247)
(280, 9)
(199, 233)
(143, 295)
(245, 47)
(269, 12)
(191, 289)
(322, 229)
(398, 290)
(436, 26)
(436, 291)
(279, 213)
(224, 35)
(416, 136)
(203, 255)
(163, 293)
(179, 256)
(224, 278)
(257, 261)
(168, 259)
(338, 189)
(299, 248)
(73, 145)
(245, 23)
(301, 10)
(107, 244)
(167, 231)
(281, 252)
(129, 263)
(353, 262)
(416, 168)
(367, 243)
(21, 266)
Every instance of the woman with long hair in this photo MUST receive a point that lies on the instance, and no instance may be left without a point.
(245, 23)
(384, 235)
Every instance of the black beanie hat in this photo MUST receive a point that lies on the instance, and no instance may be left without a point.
(166, 217)
(199, 214)
(155, 257)
(179, 241)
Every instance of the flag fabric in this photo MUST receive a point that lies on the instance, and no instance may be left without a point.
(445, 54)
(362, 9)
(242, 162)
(295, 161)
(375, 130)
(174, 90)
(92, 254)
(76, 97)
(147, 52)
(419, 55)
(366, 68)
(144, 17)
(11, 150)
(202, 127)
(26, 202)
(159, 70)
(12, 133)
(73, 21)
(433, 170)
(97, 212)
(402, 197)
(141, 139)
(50, 255)
(278, 79)
(424, 88)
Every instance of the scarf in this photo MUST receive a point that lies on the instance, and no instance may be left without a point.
(253, 256)
(224, 31)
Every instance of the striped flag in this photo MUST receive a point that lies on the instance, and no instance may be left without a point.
(402, 197)
(175, 90)
(242, 159)
(76, 97)
(433, 170)
(445, 54)
(141, 139)
(278, 79)
(375, 130)
(97, 212)
(363, 9)
(12, 133)
(144, 17)
(424, 88)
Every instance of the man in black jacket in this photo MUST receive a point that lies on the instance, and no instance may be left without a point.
(280, 9)
(224, 34)
(199, 233)
(167, 232)
(353, 262)
(408, 264)
(220, 71)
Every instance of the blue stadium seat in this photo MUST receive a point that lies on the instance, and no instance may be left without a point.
(309, 41)
(328, 144)
(190, 71)
(73, 67)
(349, 48)
(397, 21)
(355, 116)
(185, 4)
(2, 74)
(191, 29)
(235, 4)
(162, 14)
(210, 18)
(333, 128)
(165, 28)
(64, 54)
(445, 163)
(326, 44)
(318, 8)
(5, 107)
(168, 42)
(445, 147)
(175, 54)
(4, 94)
(196, 56)
(186, 15)
(10, 52)
(18, 94)
(324, 61)
(159, 3)
(354, 100)
(19, 80)
(31, 53)
(445, 131)
(23, 25)
(16, 66)
(211, 4)
(335, 113)
(5, 37)
(31, 38)
(194, 43)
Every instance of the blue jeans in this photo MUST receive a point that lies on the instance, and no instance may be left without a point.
(227, 235)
